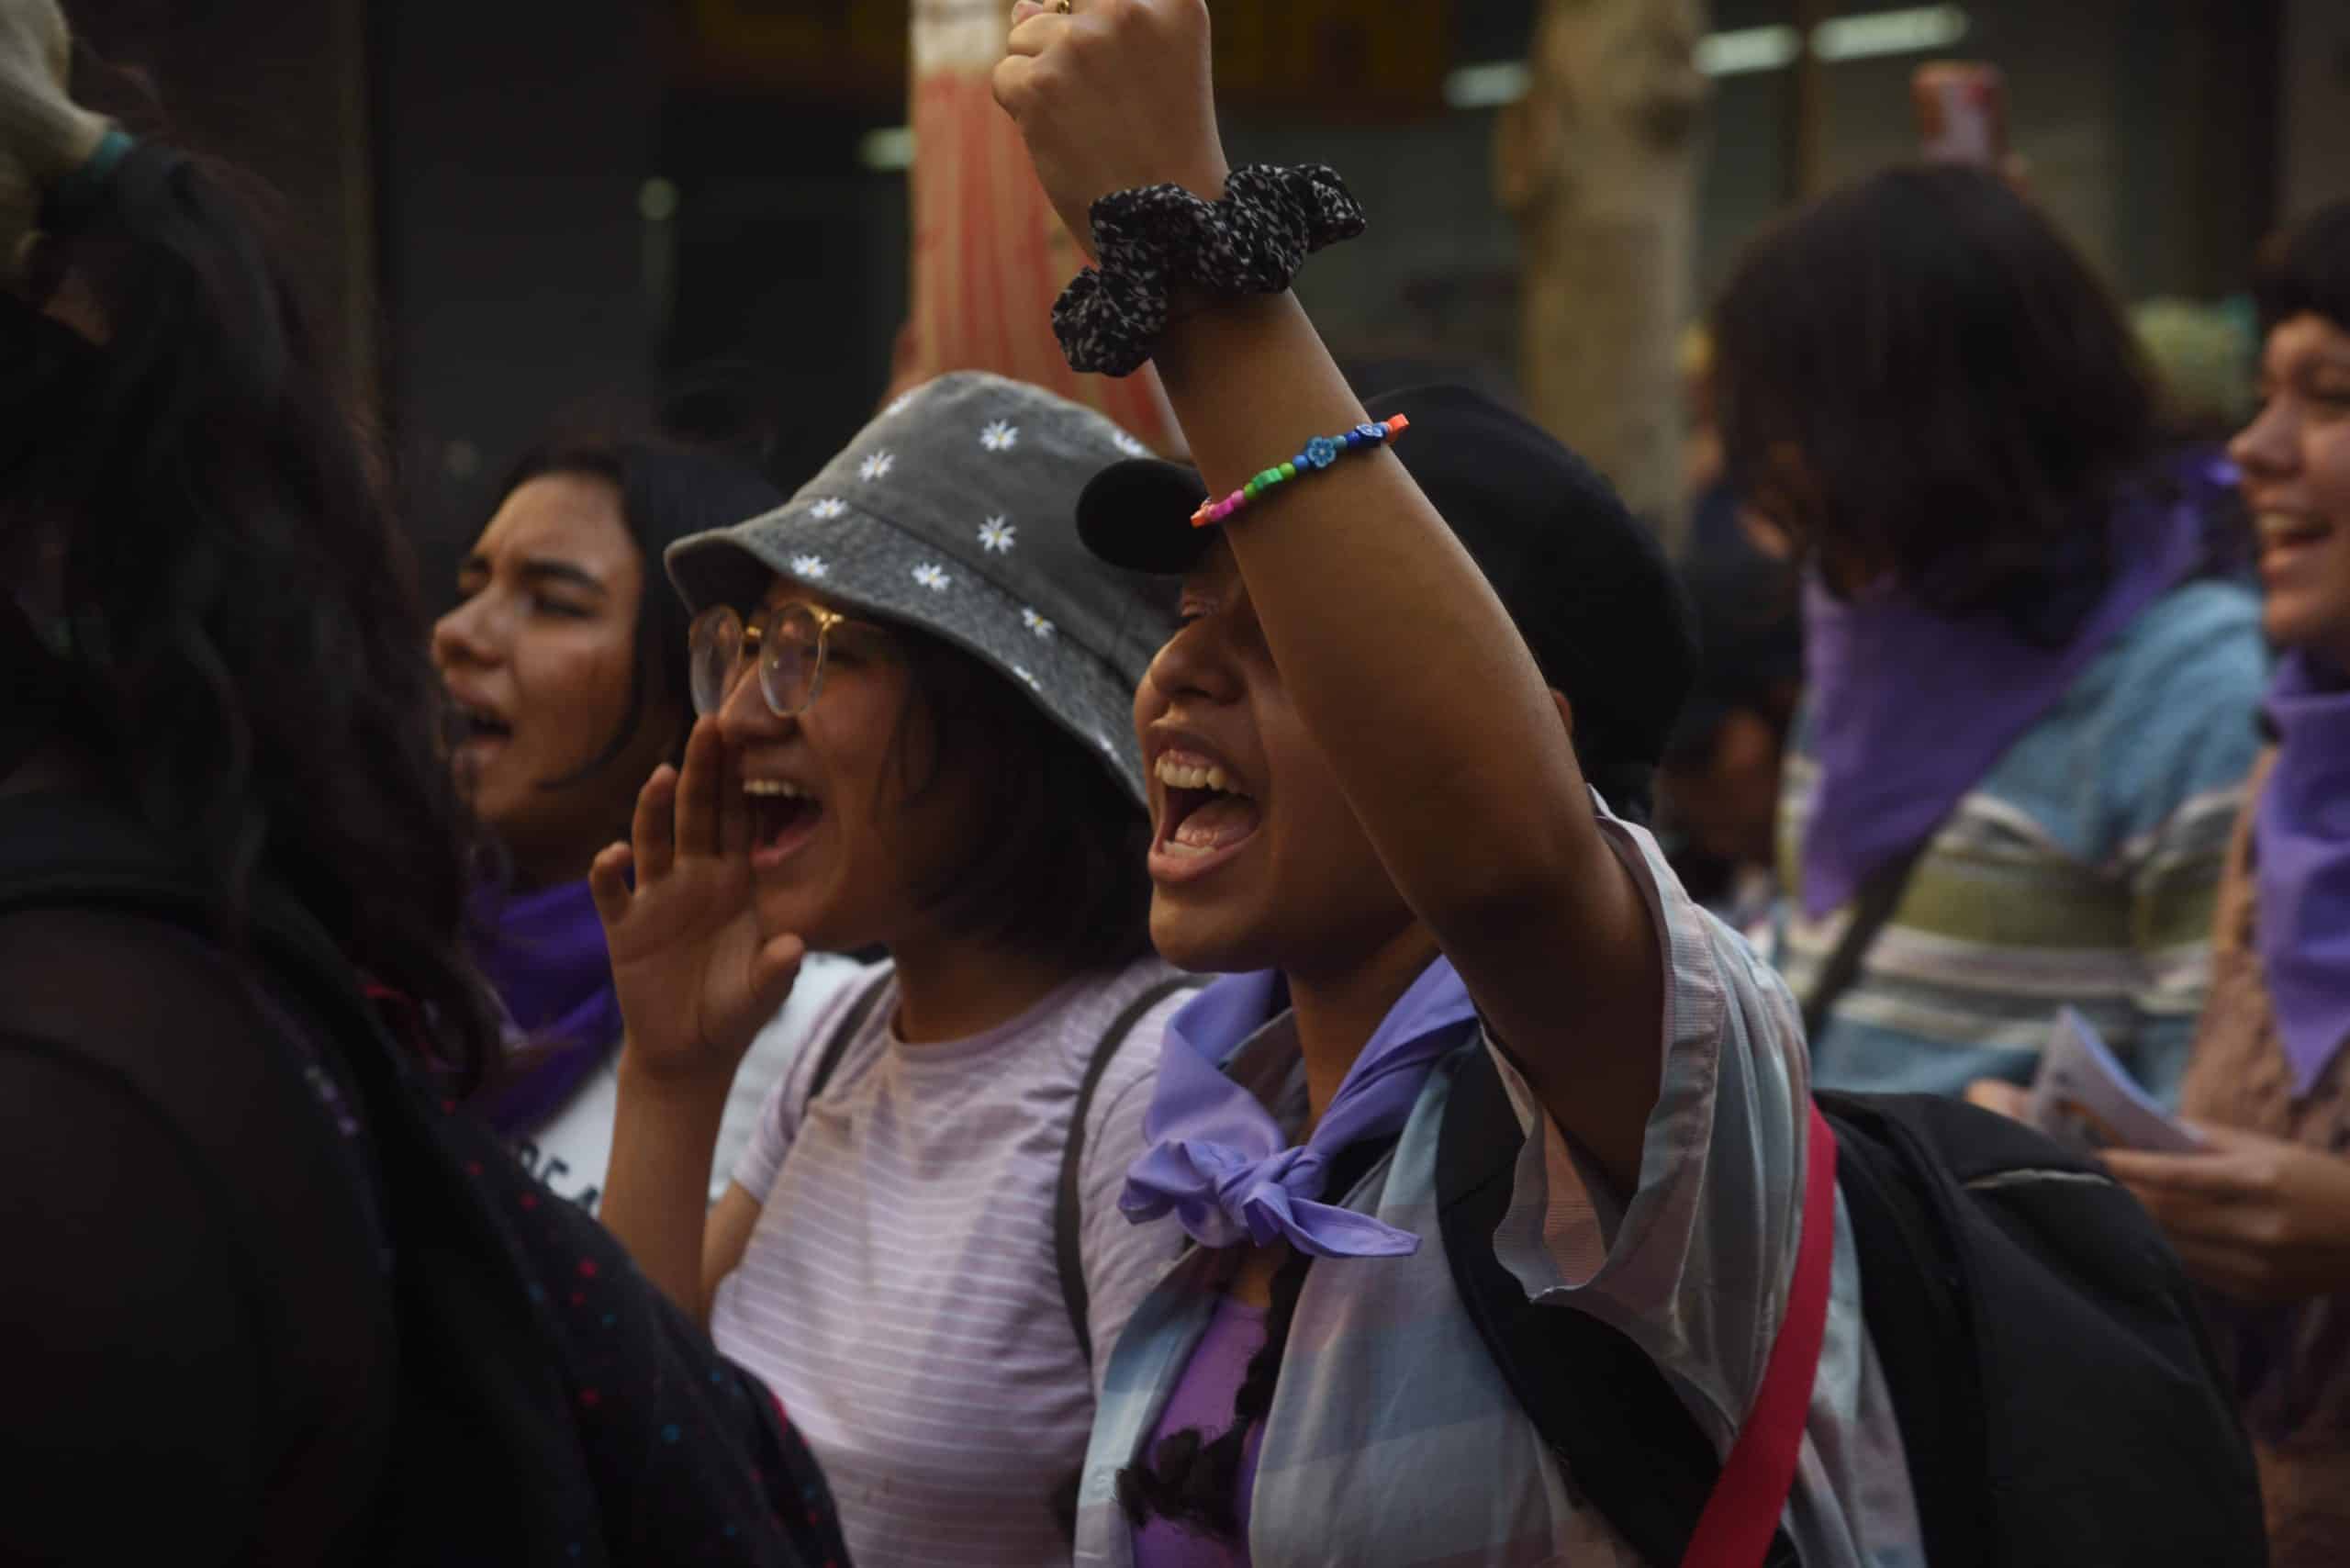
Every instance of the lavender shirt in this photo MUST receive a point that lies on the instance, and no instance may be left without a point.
(901, 1292)
(1202, 1399)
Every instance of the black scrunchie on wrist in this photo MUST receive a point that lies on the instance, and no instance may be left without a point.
(1155, 238)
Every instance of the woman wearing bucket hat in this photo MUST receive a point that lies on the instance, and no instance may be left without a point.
(1397, 752)
(913, 685)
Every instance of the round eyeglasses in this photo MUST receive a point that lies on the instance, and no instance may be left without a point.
(789, 641)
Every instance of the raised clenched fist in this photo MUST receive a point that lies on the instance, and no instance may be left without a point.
(1110, 94)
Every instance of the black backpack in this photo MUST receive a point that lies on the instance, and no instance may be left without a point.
(523, 1432)
(2059, 1400)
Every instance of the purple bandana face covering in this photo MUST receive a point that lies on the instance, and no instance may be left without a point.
(543, 954)
(1909, 711)
(1219, 1161)
(2302, 867)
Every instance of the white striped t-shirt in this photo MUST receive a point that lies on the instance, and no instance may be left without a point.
(900, 1293)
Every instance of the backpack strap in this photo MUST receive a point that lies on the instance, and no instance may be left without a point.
(1629, 1446)
(1069, 1197)
(844, 1032)
(1742, 1517)
(1919, 1324)
(1880, 895)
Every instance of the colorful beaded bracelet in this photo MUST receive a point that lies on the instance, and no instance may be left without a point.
(1319, 454)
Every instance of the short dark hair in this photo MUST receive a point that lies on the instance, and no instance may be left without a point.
(1062, 869)
(668, 491)
(1965, 394)
(2305, 269)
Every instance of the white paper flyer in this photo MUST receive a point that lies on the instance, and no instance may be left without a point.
(2086, 1100)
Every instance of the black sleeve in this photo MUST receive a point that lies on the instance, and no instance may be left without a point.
(134, 1403)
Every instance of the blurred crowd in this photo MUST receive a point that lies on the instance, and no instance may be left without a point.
(1313, 998)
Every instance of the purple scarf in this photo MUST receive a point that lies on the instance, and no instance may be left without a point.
(1910, 709)
(2302, 867)
(543, 954)
(1219, 1161)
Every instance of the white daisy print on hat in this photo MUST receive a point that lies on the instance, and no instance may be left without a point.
(1034, 684)
(1000, 436)
(810, 566)
(996, 535)
(1035, 622)
(932, 575)
(828, 508)
(1129, 444)
(877, 467)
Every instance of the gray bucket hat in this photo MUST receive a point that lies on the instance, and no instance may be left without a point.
(955, 512)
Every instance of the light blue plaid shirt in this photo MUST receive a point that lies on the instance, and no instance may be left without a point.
(1393, 1440)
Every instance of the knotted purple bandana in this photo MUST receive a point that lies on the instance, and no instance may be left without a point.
(1221, 1163)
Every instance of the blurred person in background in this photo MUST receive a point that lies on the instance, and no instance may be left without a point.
(2029, 714)
(258, 1257)
(913, 686)
(2263, 1219)
(1717, 786)
(565, 662)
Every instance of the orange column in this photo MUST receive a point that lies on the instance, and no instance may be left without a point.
(990, 256)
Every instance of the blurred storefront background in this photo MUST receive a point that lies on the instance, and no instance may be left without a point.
(510, 207)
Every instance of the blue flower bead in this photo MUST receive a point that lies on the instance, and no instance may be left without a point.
(1371, 431)
(1321, 452)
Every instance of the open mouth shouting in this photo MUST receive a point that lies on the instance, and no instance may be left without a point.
(784, 817)
(476, 731)
(1208, 816)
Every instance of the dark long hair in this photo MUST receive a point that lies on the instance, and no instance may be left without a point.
(2305, 269)
(668, 491)
(1965, 397)
(189, 503)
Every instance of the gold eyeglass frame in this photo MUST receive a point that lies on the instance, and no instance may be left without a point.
(754, 640)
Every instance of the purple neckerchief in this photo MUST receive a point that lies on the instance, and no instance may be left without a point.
(1220, 1161)
(543, 954)
(2302, 867)
(1910, 709)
